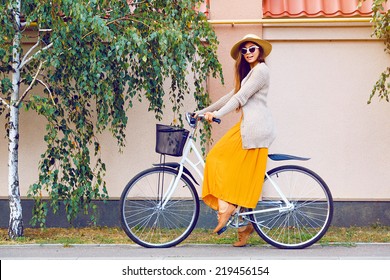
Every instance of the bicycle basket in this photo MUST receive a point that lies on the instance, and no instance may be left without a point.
(170, 140)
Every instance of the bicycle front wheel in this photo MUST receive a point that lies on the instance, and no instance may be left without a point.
(304, 219)
(153, 221)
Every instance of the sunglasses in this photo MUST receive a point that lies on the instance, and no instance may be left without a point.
(250, 49)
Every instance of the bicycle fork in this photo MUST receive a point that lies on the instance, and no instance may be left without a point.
(185, 160)
(165, 197)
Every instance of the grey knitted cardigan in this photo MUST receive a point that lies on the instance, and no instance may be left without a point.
(257, 127)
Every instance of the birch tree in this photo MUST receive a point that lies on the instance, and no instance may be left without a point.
(94, 59)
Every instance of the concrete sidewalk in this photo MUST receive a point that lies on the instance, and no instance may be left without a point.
(102, 262)
(366, 251)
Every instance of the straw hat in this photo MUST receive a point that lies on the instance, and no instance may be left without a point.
(267, 47)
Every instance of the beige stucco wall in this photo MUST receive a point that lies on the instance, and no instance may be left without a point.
(319, 94)
(321, 78)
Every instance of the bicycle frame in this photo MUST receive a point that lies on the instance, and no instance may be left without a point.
(190, 146)
(160, 205)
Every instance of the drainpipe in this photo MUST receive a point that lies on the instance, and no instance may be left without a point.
(279, 21)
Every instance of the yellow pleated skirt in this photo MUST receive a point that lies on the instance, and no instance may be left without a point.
(234, 174)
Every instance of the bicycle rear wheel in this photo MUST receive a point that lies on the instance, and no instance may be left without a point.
(309, 214)
(144, 217)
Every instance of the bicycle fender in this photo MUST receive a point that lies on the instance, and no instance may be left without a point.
(176, 165)
(280, 157)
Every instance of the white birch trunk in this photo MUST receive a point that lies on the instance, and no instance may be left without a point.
(15, 228)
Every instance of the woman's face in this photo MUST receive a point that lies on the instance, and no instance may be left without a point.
(252, 53)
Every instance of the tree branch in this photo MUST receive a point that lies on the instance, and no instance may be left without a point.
(48, 89)
(33, 56)
(30, 86)
(28, 53)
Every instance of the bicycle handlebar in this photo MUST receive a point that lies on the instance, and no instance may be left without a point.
(218, 121)
(193, 121)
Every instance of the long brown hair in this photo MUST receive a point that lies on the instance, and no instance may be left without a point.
(242, 67)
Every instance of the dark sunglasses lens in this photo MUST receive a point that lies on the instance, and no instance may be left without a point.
(252, 49)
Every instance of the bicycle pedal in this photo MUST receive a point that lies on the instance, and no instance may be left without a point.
(222, 230)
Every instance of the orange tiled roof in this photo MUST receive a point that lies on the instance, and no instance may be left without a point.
(317, 8)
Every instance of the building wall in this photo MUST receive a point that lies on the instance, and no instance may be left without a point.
(321, 78)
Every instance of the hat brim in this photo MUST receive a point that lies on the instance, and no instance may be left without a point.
(267, 47)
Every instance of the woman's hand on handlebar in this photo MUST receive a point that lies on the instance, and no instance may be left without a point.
(209, 117)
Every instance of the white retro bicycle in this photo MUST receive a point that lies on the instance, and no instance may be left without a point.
(159, 207)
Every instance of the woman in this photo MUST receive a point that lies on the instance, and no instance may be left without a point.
(235, 166)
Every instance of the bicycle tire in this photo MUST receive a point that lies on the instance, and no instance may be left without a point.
(309, 218)
(142, 216)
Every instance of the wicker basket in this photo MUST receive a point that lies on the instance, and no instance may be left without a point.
(170, 140)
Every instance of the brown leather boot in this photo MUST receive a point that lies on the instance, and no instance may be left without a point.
(224, 217)
(243, 235)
